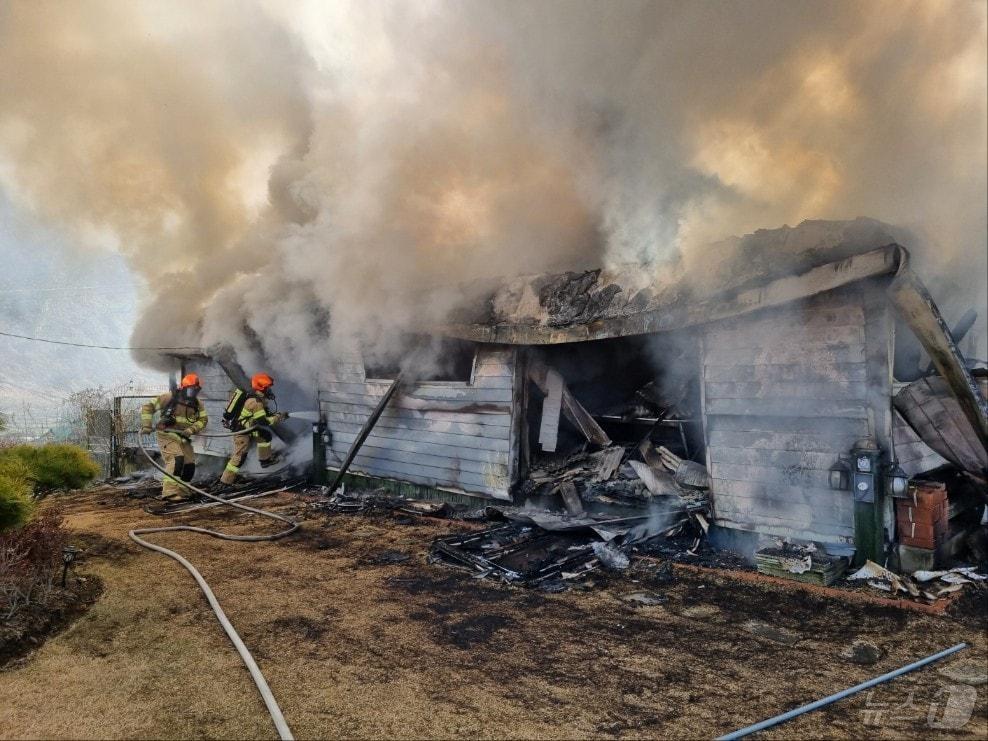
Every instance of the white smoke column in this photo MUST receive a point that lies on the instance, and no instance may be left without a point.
(277, 169)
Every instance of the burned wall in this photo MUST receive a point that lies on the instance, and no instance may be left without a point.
(450, 435)
(785, 391)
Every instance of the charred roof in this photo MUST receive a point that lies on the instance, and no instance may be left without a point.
(767, 267)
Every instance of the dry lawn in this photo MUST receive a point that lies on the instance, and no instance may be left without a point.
(356, 649)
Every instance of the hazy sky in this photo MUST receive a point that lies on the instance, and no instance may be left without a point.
(48, 289)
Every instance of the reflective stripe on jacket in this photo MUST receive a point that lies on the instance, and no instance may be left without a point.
(255, 412)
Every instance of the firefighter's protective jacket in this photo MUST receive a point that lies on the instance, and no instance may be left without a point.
(184, 414)
(255, 412)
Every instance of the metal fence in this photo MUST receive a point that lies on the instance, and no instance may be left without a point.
(104, 422)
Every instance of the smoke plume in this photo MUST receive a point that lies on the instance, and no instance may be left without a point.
(358, 169)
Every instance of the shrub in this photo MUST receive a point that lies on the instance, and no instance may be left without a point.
(30, 559)
(56, 466)
(16, 504)
(13, 467)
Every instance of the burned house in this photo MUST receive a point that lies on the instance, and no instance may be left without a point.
(769, 384)
(774, 371)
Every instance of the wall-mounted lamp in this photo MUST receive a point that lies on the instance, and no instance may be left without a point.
(840, 475)
(896, 480)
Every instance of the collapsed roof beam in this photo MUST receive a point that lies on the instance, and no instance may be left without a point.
(914, 304)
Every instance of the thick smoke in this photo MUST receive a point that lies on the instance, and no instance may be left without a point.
(277, 174)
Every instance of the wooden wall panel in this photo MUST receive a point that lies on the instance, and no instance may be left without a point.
(442, 434)
(784, 392)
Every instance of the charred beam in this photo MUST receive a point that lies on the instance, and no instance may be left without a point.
(915, 305)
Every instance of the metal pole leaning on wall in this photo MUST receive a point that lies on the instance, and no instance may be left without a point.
(840, 695)
(364, 432)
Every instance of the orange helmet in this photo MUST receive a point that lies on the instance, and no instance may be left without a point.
(189, 380)
(261, 382)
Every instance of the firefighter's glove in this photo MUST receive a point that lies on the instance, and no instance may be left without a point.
(280, 417)
(146, 430)
(187, 434)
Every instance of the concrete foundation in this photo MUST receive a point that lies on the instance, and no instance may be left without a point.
(916, 559)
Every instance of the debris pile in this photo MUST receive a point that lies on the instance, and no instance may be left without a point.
(924, 586)
(800, 562)
(373, 500)
(551, 551)
(613, 478)
(520, 553)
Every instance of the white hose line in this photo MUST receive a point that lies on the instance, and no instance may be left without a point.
(284, 732)
(232, 433)
(244, 498)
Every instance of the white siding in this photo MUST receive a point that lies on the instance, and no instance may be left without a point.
(785, 391)
(451, 435)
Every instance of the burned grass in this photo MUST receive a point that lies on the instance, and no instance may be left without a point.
(34, 624)
(357, 646)
(971, 608)
(97, 545)
(300, 626)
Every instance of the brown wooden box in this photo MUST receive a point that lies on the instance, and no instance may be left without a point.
(927, 494)
(922, 535)
(906, 512)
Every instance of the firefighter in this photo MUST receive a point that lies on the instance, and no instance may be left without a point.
(182, 416)
(249, 409)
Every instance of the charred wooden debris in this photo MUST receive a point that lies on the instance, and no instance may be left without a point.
(587, 501)
(553, 552)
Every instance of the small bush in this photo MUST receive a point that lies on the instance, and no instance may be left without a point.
(56, 466)
(30, 560)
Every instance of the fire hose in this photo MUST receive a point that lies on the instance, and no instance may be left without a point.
(284, 732)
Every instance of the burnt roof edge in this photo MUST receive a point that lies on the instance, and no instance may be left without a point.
(683, 314)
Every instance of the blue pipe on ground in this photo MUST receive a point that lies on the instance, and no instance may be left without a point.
(840, 695)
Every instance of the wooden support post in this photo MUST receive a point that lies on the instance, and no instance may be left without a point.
(538, 373)
(116, 429)
(551, 409)
(319, 430)
(520, 456)
(869, 517)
